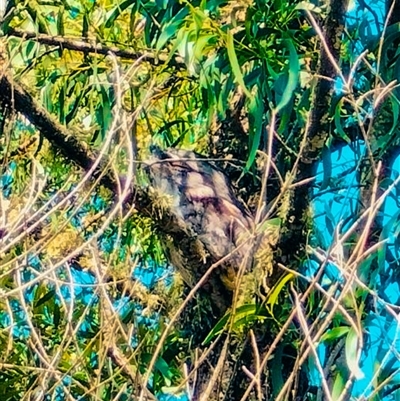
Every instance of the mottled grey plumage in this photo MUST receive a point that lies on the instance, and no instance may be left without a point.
(203, 222)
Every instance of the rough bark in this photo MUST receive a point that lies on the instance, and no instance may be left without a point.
(395, 15)
(91, 46)
(319, 126)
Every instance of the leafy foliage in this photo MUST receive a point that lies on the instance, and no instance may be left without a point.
(90, 308)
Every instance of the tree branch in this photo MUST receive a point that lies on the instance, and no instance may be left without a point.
(92, 46)
(319, 127)
(319, 124)
(15, 95)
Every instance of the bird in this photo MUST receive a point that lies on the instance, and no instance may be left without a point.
(201, 220)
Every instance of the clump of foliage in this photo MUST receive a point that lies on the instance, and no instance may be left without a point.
(297, 104)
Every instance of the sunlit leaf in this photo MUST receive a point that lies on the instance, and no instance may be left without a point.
(335, 333)
(116, 12)
(273, 295)
(235, 64)
(243, 314)
(171, 29)
(338, 386)
(293, 77)
(338, 122)
(256, 114)
(352, 354)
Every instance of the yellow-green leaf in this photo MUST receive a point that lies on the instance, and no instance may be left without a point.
(235, 64)
(352, 354)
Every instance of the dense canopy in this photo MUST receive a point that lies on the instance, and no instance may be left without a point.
(199, 200)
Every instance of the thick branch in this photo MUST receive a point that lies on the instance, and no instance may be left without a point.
(319, 127)
(15, 95)
(12, 93)
(91, 46)
(318, 130)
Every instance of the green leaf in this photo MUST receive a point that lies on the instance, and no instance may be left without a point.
(46, 96)
(270, 224)
(338, 122)
(162, 366)
(226, 90)
(256, 113)
(76, 105)
(277, 288)
(293, 79)
(271, 72)
(199, 17)
(56, 315)
(46, 297)
(335, 333)
(235, 64)
(338, 386)
(116, 12)
(244, 314)
(38, 18)
(85, 24)
(201, 43)
(104, 114)
(351, 351)
(171, 29)
(165, 370)
(60, 21)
